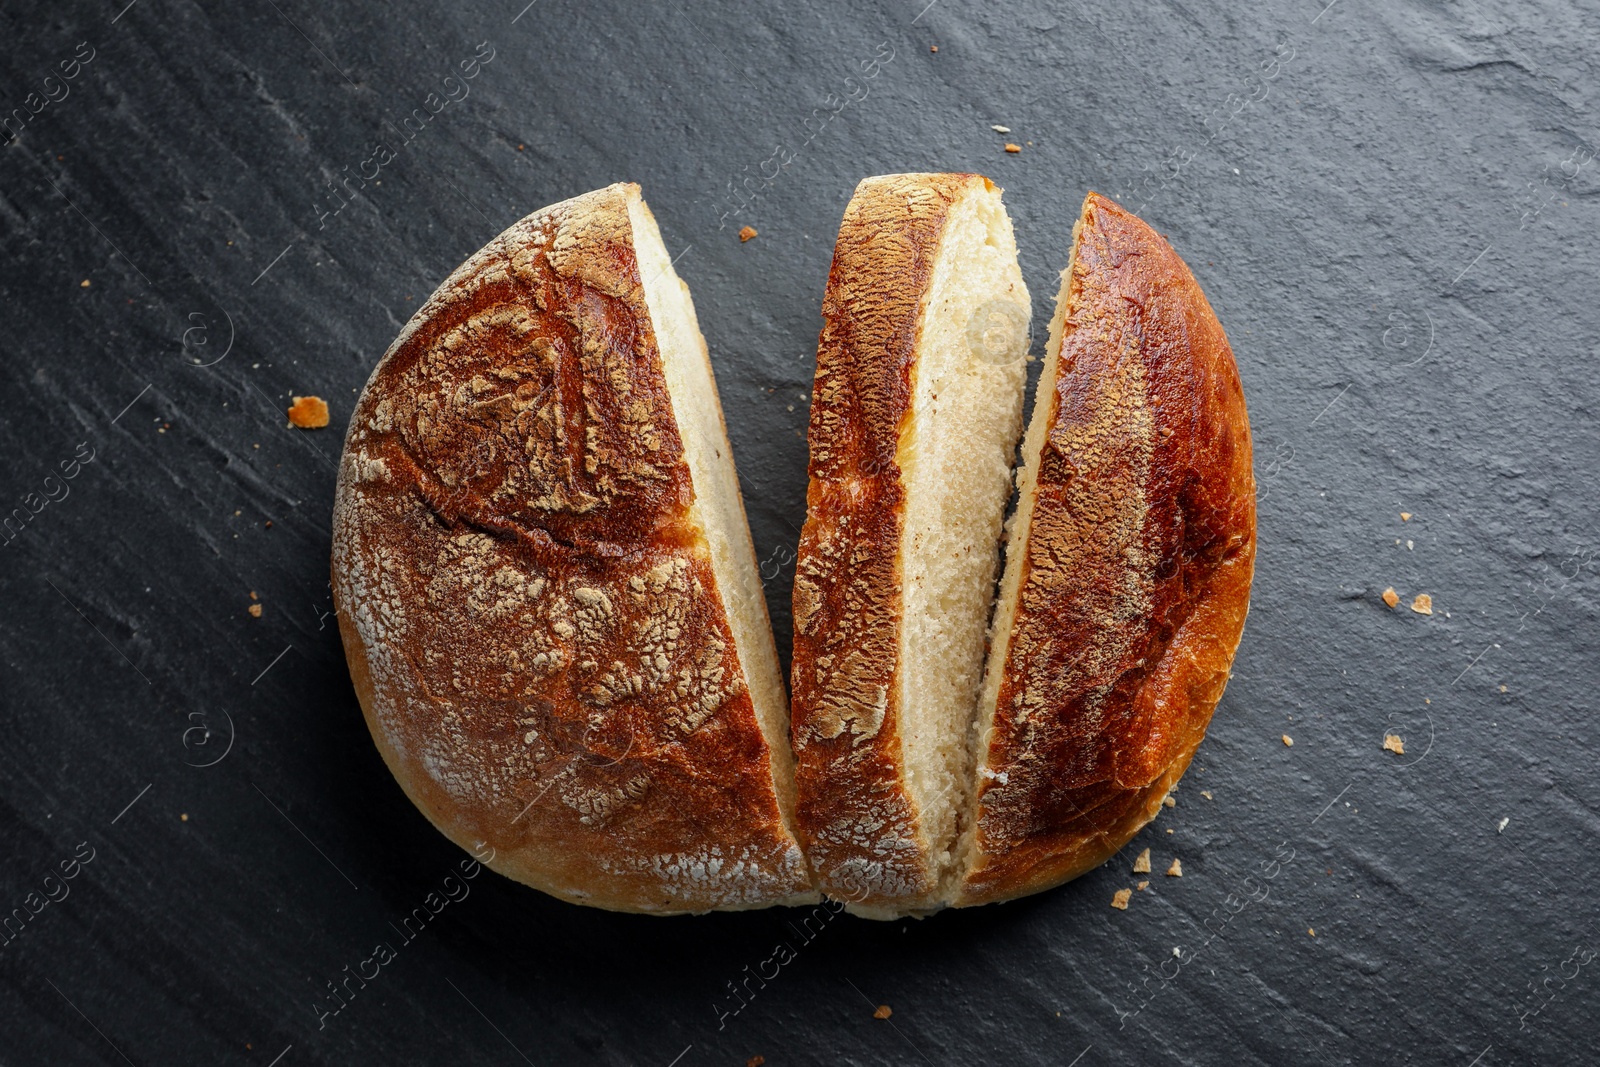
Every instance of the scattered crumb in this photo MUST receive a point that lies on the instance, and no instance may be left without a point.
(1394, 743)
(1312, 931)
(1411, 546)
(1390, 597)
(1120, 898)
(309, 412)
(933, 48)
(755, 1061)
(184, 817)
(1405, 516)
(1169, 831)
(883, 1011)
(1141, 863)
(1422, 604)
(1207, 794)
(1169, 802)
(268, 524)
(1503, 823)
(84, 284)
(1502, 689)
(1001, 129)
(255, 611)
(746, 233)
(1142, 886)
(1176, 870)
(519, 148)
(1288, 741)
(1013, 147)
(252, 592)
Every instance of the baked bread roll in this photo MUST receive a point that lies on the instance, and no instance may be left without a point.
(1128, 569)
(915, 415)
(546, 587)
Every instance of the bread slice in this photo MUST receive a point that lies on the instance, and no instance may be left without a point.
(1127, 572)
(546, 586)
(916, 411)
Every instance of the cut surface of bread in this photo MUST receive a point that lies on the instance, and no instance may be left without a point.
(1128, 567)
(718, 504)
(915, 416)
(546, 587)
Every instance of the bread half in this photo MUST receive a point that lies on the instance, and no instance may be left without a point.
(546, 586)
(1128, 567)
(916, 411)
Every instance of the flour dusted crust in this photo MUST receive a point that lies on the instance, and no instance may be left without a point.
(1135, 569)
(526, 594)
(856, 818)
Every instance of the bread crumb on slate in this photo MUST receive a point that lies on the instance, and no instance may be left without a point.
(309, 412)
(1207, 794)
(252, 592)
(1422, 604)
(1390, 597)
(933, 48)
(184, 817)
(1502, 689)
(883, 1011)
(1394, 743)
(1141, 863)
(255, 611)
(1288, 741)
(1013, 147)
(1120, 898)
(84, 284)
(1312, 931)
(1169, 802)
(755, 1061)
(747, 232)
(1142, 886)
(1001, 129)
(1405, 516)
(1176, 870)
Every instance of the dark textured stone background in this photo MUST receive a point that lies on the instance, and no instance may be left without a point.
(1392, 207)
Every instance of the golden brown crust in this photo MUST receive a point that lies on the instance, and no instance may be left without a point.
(1136, 572)
(527, 599)
(855, 817)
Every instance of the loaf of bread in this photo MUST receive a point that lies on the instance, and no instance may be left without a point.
(915, 416)
(557, 631)
(546, 586)
(1127, 570)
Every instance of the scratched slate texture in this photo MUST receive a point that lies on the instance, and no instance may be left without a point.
(1393, 208)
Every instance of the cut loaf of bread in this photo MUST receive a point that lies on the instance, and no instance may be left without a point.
(555, 625)
(546, 586)
(915, 415)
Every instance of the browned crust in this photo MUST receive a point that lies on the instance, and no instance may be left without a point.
(526, 596)
(1136, 576)
(855, 816)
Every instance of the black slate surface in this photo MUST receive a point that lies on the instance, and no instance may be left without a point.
(1393, 208)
